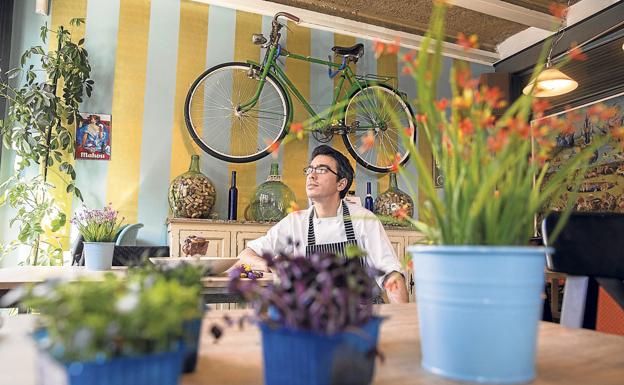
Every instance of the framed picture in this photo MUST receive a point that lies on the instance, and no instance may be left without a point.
(93, 137)
(602, 186)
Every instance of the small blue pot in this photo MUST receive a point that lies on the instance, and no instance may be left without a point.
(478, 309)
(294, 357)
(191, 342)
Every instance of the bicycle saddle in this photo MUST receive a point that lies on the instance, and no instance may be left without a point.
(353, 51)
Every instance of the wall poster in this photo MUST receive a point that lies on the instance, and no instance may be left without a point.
(93, 137)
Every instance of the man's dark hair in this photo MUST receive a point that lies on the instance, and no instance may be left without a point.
(344, 167)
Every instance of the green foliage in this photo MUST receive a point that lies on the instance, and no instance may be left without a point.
(140, 314)
(496, 171)
(39, 128)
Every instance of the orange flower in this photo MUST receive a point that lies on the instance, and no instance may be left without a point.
(393, 48)
(558, 10)
(379, 48)
(421, 118)
(297, 130)
(409, 132)
(272, 148)
(466, 126)
(407, 69)
(539, 106)
(577, 54)
(401, 213)
(396, 164)
(293, 207)
(409, 56)
(496, 194)
(467, 43)
(368, 142)
(441, 104)
(462, 76)
(492, 95)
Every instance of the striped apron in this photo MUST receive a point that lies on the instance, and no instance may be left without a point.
(338, 248)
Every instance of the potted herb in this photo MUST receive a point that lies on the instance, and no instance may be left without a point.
(44, 95)
(120, 330)
(98, 228)
(316, 320)
(478, 286)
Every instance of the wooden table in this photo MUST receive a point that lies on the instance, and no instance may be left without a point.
(214, 287)
(565, 356)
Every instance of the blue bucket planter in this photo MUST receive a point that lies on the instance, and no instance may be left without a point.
(315, 359)
(479, 309)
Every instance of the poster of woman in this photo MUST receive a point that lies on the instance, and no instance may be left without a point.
(93, 137)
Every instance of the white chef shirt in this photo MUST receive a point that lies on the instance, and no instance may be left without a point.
(369, 233)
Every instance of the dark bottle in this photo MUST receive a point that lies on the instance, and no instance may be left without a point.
(368, 201)
(232, 199)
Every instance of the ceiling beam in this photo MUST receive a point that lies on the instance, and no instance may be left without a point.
(511, 12)
(354, 28)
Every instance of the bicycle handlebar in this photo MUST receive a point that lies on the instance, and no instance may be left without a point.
(286, 15)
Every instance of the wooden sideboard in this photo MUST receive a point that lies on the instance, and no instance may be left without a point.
(229, 238)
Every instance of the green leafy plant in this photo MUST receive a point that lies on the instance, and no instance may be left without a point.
(142, 313)
(98, 225)
(42, 111)
(497, 173)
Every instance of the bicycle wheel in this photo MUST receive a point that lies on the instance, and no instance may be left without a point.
(378, 110)
(217, 127)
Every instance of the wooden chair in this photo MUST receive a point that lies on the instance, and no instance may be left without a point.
(590, 250)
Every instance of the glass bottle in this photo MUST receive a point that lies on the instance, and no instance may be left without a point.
(271, 199)
(368, 201)
(232, 198)
(192, 194)
(391, 201)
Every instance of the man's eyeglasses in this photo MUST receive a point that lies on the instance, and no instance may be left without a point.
(319, 170)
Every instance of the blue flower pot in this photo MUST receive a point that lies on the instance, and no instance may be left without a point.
(479, 309)
(294, 357)
(191, 342)
(160, 368)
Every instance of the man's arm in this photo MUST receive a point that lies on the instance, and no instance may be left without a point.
(396, 289)
(250, 257)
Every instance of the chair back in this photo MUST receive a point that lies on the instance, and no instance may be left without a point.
(590, 250)
(590, 244)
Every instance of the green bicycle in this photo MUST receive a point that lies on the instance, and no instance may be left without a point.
(239, 112)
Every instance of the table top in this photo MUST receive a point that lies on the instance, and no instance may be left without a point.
(11, 277)
(565, 356)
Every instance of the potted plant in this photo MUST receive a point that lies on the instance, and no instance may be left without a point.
(98, 228)
(127, 330)
(478, 286)
(316, 317)
(44, 95)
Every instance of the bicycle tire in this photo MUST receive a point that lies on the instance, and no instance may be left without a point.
(206, 135)
(351, 140)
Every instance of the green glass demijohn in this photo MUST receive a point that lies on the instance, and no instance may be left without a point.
(271, 199)
(391, 200)
(192, 194)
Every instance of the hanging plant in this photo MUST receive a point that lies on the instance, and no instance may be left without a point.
(43, 105)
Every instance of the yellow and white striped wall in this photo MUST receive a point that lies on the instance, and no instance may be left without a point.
(144, 56)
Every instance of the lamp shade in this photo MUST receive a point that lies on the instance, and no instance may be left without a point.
(551, 82)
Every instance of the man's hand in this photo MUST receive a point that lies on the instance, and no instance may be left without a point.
(395, 288)
(249, 257)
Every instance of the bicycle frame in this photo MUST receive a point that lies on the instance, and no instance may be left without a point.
(269, 64)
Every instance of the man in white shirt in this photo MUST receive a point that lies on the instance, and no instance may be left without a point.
(331, 224)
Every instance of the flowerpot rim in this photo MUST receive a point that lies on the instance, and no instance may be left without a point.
(479, 249)
(99, 242)
(286, 329)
